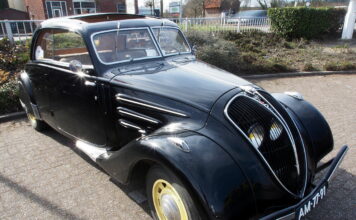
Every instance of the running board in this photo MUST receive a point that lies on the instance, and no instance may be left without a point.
(93, 151)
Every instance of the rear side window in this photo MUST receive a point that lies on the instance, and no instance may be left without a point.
(63, 46)
(44, 46)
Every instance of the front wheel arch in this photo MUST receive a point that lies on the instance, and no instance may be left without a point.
(207, 169)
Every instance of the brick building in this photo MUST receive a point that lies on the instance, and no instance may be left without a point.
(44, 9)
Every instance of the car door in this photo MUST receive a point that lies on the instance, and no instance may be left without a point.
(38, 73)
(74, 97)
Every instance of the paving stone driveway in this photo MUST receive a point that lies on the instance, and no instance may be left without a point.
(42, 176)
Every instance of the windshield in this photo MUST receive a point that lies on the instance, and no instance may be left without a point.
(171, 40)
(125, 45)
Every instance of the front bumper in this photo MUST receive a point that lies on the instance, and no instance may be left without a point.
(298, 210)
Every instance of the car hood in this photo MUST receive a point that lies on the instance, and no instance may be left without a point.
(187, 80)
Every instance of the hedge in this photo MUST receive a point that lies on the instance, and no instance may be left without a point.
(12, 61)
(302, 22)
(9, 98)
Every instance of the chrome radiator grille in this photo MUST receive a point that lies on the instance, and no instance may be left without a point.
(279, 143)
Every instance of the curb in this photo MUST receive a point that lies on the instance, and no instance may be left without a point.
(12, 116)
(296, 74)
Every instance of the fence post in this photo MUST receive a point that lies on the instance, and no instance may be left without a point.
(9, 31)
(186, 25)
(238, 24)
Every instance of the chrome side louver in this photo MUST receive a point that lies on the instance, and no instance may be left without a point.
(147, 105)
(133, 114)
(140, 115)
(131, 125)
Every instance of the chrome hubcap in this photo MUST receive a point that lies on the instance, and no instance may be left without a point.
(167, 202)
(169, 207)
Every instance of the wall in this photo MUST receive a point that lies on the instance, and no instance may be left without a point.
(108, 5)
(13, 14)
(17, 4)
(38, 11)
(212, 12)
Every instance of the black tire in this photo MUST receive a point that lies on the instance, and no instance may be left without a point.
(156, 173)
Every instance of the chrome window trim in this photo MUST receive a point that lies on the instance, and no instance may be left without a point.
(124, 29)
(119, 97)
(258, 152)
(185, 39)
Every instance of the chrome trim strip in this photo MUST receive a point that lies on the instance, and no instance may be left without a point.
(287, 129)
(337, 165)
(296, 154)
(127, 124)
(124, 29)
(180, 31)
(127, 112)
(243, 133)
(120, 97)
(93, 151)
(287, 217)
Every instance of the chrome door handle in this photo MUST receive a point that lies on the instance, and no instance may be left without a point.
(88, 83)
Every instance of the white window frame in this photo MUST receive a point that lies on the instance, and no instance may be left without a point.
(80, 3)
(60, 3)
(117, 7)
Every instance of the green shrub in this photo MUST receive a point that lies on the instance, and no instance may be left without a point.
(222, 54)
(200, 38)
(13, 57)
(9, 97)
(340, 66)
(309, 67)
(302, 22)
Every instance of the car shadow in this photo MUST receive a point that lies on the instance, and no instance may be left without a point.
(134, 191)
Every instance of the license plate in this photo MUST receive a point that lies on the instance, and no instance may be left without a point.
(311, 203)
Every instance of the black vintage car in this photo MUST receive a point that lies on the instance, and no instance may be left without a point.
(205, 143)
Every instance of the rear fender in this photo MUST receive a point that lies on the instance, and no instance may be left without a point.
(26, 96)
(208, 171)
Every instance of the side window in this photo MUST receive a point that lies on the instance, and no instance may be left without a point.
(62, 46)
(44, 46)
(68, 46)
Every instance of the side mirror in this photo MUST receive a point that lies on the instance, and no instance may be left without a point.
(76, 66)
(194, 49)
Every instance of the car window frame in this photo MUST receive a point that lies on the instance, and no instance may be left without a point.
(56, 62)
(124, 29)
(184, 37)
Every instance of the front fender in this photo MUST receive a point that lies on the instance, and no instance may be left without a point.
(313, 124)
(209, 172)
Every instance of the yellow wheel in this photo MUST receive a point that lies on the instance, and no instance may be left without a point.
(35, 123)
(168, 198)
(167, 202)
(32, 118)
